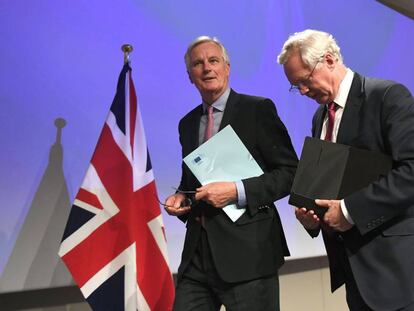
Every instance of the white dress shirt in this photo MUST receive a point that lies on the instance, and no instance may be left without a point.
(340, 101)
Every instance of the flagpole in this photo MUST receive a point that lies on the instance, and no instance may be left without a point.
(127, 49)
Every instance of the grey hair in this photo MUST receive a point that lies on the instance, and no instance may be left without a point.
(312, 46)
(203, 39)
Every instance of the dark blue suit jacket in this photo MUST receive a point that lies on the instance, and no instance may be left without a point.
(378, 116)
(254, 246)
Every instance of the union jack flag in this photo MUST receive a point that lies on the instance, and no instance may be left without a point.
(114, 242)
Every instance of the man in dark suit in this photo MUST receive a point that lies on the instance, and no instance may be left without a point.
(224, 262)
(369, 235)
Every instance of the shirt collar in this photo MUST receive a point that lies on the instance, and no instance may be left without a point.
(220, 103)
(344, 88)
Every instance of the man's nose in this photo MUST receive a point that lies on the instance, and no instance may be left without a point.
(207, 67)
(303, 89)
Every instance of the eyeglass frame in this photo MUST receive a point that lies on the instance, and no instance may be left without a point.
(188, 201)
(296, 88)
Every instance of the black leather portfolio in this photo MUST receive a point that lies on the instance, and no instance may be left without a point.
(329, 170)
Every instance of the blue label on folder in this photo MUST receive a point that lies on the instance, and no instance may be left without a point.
(197, 159)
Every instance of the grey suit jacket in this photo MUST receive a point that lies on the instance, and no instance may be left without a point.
(378, 116)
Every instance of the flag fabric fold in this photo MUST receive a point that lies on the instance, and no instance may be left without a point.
(114, 242)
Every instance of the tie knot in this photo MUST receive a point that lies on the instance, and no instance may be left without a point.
(210, 109)
(332, 106)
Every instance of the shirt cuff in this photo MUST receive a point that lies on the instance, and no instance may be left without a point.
(241, 193)
(345, 212)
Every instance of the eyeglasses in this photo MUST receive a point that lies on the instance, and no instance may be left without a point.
(188, 201)
(304, 83)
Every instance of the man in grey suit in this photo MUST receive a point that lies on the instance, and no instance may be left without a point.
(369, 235)
(226, 262)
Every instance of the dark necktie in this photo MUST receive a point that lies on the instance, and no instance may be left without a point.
(328, 136)
(331, 120)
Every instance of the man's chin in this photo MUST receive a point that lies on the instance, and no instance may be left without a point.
(322, 100)
(314, 98)
(211, 90)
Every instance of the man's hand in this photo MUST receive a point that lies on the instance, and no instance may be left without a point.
(333, 216)
(307, 218)
(217, 194)
(173, 203)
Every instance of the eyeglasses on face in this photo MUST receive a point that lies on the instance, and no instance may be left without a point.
(296, 88)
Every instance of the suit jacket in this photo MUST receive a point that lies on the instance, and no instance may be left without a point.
(254, 246)
(378, 116)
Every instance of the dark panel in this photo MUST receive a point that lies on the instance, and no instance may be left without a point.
(402, 6)
(40, 298)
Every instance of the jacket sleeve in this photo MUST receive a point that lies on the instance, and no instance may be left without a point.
(392, 195)
(278, 155)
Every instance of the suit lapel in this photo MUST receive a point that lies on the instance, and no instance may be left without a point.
(318, 122)
(348, 129)
(194, 128)
(230, 109)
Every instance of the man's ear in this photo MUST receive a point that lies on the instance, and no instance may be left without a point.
(189, 77)
(330, 60)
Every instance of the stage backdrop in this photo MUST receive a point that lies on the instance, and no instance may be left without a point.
(60, 61)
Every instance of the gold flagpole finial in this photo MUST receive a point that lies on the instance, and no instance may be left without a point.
(127, 49)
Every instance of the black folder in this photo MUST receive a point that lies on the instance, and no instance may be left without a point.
(329, 170)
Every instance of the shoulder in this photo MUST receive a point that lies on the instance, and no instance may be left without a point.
(197, 111)
(386, 95)
(374, 87)
(370, 83)
(247, 98)
(251, 101)
(390, 100)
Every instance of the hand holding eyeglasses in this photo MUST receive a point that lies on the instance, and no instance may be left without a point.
(217, 194)
(176, 204)
(179, 203)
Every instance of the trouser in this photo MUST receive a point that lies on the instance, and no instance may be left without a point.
(202, 289)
